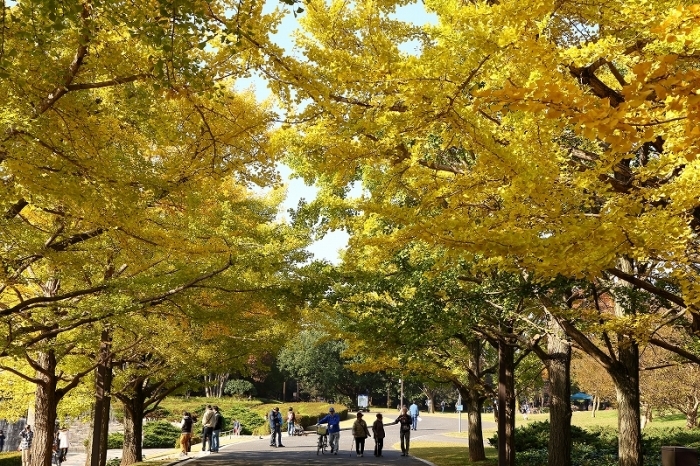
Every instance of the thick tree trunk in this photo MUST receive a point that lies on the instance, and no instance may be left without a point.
(506, 405)
(558, 367)
(97, 453)
(628, 417)
(45, 410)
(133, 428)
(476, 436)
(625, 375)
(475, 400)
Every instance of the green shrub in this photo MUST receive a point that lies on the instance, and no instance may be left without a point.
(250, 421)
(115, 441)
(535, 436)
(239, 387)
(114, 462)
(11, 458)
(160, 413)
(160, 434)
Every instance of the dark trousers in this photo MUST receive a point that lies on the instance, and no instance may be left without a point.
(378, 445)
(405, 436)
(360, 445)
(206, 436)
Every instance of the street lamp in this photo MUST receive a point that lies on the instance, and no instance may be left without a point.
(401, 402)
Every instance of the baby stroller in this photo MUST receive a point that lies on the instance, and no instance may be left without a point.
(298, 430)
(322, 432)
(56, 456)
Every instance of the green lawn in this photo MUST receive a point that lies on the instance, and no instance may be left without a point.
(450, 454)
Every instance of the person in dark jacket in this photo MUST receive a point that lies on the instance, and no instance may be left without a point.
(275, 419)
(378, 431)
(186, 435)
(217, 425)
(405, 422)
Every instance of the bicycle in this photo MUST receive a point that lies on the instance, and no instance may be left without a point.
(322, 445)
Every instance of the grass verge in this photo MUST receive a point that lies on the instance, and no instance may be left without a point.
(450, 454)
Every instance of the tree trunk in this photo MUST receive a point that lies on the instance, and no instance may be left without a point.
(133, 427)
(45, 410)
(628, 417)
(97, 453)
(506, 404)
(475, 400)
(625, 375)
(558, 367)
(596, 403)
(691, 413)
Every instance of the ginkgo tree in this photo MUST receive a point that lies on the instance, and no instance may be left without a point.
(126, 161)
(546, 136)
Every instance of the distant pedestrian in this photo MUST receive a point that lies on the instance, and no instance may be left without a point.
(217, 425)
(442, 405)
(236, 427)
(25, 445)
(360, 433)
(63, 444)
(413, 409)
(276, 428)
(207, 427)
(333, 421)
(2, 440)
(291, 419)
(404, 420)
(378, 431)
(186, 433)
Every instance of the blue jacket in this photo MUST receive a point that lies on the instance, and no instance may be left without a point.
(413, 409)
(275, 419)
(333, 421)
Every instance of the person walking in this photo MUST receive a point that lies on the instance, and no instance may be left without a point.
(217, 425)
(333, 421)
(63, 444)
(25, 445)
(442, 405)
(291, 419)
(378, 431)
(276, 428)
(207, 427)
(236, 427)
(413, 409)
(360, 434)
(404, 420)
(186, 433)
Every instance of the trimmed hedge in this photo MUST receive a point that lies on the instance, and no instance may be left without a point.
(160, 434)
(115, 441)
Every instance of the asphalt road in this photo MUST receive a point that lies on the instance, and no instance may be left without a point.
(301, 450)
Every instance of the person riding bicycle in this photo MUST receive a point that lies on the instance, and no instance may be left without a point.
(333, 421)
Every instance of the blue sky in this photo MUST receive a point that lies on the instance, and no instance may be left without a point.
(328, 247)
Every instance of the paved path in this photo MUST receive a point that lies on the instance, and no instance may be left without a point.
(301, 450)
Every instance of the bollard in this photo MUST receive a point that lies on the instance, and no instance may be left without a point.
(679, 456)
